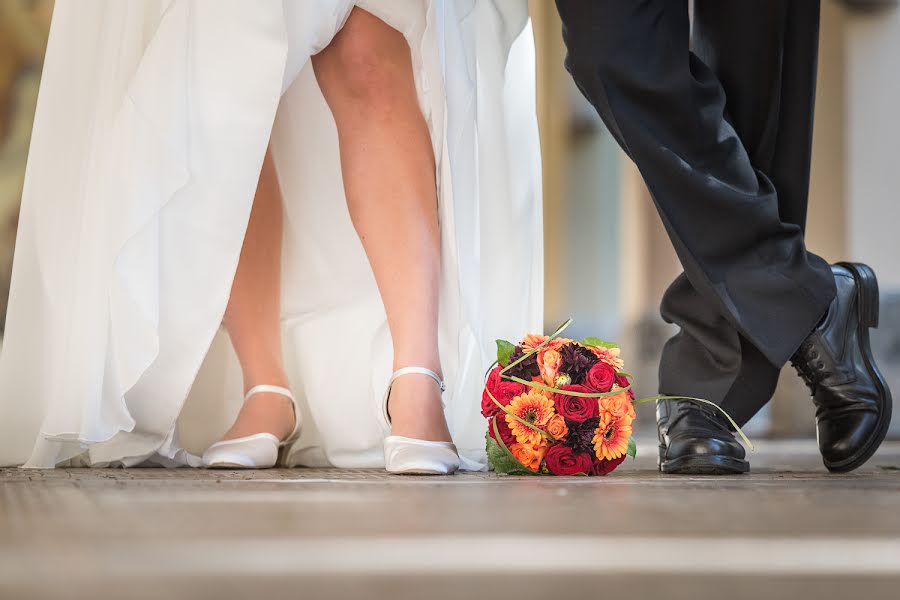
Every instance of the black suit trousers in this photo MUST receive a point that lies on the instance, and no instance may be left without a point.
(718, 119)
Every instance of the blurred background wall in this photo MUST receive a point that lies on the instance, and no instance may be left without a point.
(608, 259)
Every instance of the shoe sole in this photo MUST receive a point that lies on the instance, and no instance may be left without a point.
(867, 311)
(702, 465)
(421, 472)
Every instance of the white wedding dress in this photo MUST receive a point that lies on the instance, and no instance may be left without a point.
(152, 123)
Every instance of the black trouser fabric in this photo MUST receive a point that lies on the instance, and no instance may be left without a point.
(719, 122)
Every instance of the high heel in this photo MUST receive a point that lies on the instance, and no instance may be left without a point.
(412, 456)
(257, 451)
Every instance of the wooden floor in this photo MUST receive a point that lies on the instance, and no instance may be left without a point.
(788, 530)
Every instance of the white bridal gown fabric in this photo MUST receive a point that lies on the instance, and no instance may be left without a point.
(152, 123)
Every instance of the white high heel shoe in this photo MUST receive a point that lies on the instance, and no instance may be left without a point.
(257, 451)
(409, 455)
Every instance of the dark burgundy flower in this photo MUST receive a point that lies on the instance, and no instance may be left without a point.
(600, 378)
(622, 382)
(604, 467)
(528, 369)
(560, 460)
(575, 408)
(581, 435)
(576, 362)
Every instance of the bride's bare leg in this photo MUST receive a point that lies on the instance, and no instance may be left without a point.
(253, 314)
(388, 168)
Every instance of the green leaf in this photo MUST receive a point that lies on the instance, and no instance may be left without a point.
(504, 352)
(598, 343)
(502, 461)
(499, 456)
(632, 448)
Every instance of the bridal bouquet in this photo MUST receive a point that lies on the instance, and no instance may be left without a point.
(559, 407)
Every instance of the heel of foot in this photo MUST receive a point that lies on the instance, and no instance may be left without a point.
(867, 293)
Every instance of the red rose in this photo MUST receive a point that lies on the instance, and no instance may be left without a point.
(575, 408)
(600, 378)
(506, 433)
(504, 391)
(603, 467)
(623, 382)
(560, 460)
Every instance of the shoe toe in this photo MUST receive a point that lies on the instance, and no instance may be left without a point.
(842, 439)
(411, 456)
(704, 446)
(258, 451)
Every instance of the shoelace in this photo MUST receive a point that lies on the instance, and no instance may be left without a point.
(696, 408)
(809, 365)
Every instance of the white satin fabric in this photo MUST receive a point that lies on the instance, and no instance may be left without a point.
(152, 123)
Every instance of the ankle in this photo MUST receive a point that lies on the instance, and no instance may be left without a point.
(431, 362)
(275, 377)
(416, 410)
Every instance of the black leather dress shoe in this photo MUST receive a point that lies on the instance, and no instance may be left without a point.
(695, 440)
(853, 402)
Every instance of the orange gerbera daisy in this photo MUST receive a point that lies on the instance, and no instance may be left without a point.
(532, 407)
(611, 436)
(533, 340)
(530, 455)
(609, 356)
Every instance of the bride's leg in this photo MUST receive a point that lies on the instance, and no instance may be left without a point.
(253, 314)
(388, 168)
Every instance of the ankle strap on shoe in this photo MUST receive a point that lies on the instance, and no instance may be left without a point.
(272, 389)
(277, 389)
(418, 371)
(386, 423)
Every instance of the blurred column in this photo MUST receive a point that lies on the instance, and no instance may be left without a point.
(554, 117)
(23, 38)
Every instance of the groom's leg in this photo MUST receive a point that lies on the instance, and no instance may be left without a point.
(767, 69)
(707, 131)
(708, 358)
(770, 93)
(763, 52)
(715, 134)
(668, 109)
